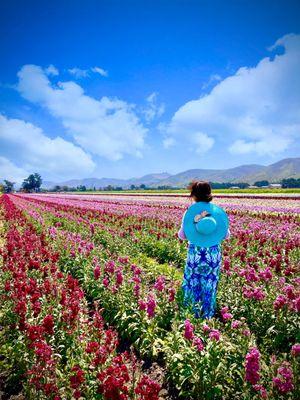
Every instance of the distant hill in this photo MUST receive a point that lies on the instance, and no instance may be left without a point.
(89, 183)
(287, 168)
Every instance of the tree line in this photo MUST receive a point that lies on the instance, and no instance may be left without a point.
(31, 184)
(34, 181)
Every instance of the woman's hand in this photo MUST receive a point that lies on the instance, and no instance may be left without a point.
(200, 216)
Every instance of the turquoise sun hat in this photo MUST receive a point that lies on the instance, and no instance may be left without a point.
(209, 230)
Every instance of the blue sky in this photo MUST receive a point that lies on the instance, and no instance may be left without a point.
(125, 88)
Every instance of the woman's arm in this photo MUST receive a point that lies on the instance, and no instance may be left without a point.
(181, 233)
(228, 234)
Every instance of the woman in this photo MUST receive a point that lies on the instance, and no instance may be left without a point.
(202, 269)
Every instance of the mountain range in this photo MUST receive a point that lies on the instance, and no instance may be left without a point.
(283, 169)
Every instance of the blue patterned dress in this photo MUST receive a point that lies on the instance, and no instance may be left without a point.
(201, 277)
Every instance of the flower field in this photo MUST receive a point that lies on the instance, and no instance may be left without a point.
(91, 287)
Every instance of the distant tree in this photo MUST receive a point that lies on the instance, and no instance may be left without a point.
(81, 188)
(290, 183)
(132, 187)
(242, 185)
(119, 188)
(94, 188)
(261, 183)
(1, 188)
(65, 188)
(56, 188)
(142, 186)
(32, 183)
(8, 186)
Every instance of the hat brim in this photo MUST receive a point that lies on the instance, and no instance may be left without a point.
(205, 240)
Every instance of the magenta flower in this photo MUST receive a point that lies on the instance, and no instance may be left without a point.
(188, 329)
(215, 335)
(262, 390)
(225, 314)
(105, 282)
(283, 382)
(198, 343)
(151, 304)
(295, 350)
(160, 283)
(97, 272)
(280, 301)
(235, 324)
(252, 366)
(142, 304)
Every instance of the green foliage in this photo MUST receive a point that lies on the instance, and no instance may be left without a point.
(32, 183)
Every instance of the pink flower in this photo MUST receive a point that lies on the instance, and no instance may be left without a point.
(225, 314)
(105, 282)
(119, 277)
(188, 329)
(215, 334)
(252, 366)
(295, 350)
(205, 328)
(160, 283)
(198, 343)
(136, 290)
(283, 382)
(235, 324)
(142, 305)
(279, 302)
(262, 390)
(151, 304)
(246, 332)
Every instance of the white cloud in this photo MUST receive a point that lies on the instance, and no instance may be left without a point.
(261, 147)
(100, 71)
(105, 127)
(11, 172)
(202, 142)
(78, 72)
(51, 70)
(212, 79)
(153, 109)
(35, 152)
(256, 110)
(168, 142)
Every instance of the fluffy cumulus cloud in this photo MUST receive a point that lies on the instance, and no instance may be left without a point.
(57, 158)
(256, 110)
(105, 127)
(9, 171)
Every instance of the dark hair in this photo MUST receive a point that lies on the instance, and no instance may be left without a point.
(201, 190)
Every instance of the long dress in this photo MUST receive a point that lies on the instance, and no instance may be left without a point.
(201, 277)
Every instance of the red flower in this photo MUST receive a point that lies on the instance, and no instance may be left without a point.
(48, 324)
(147, 389)
(78, 378)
